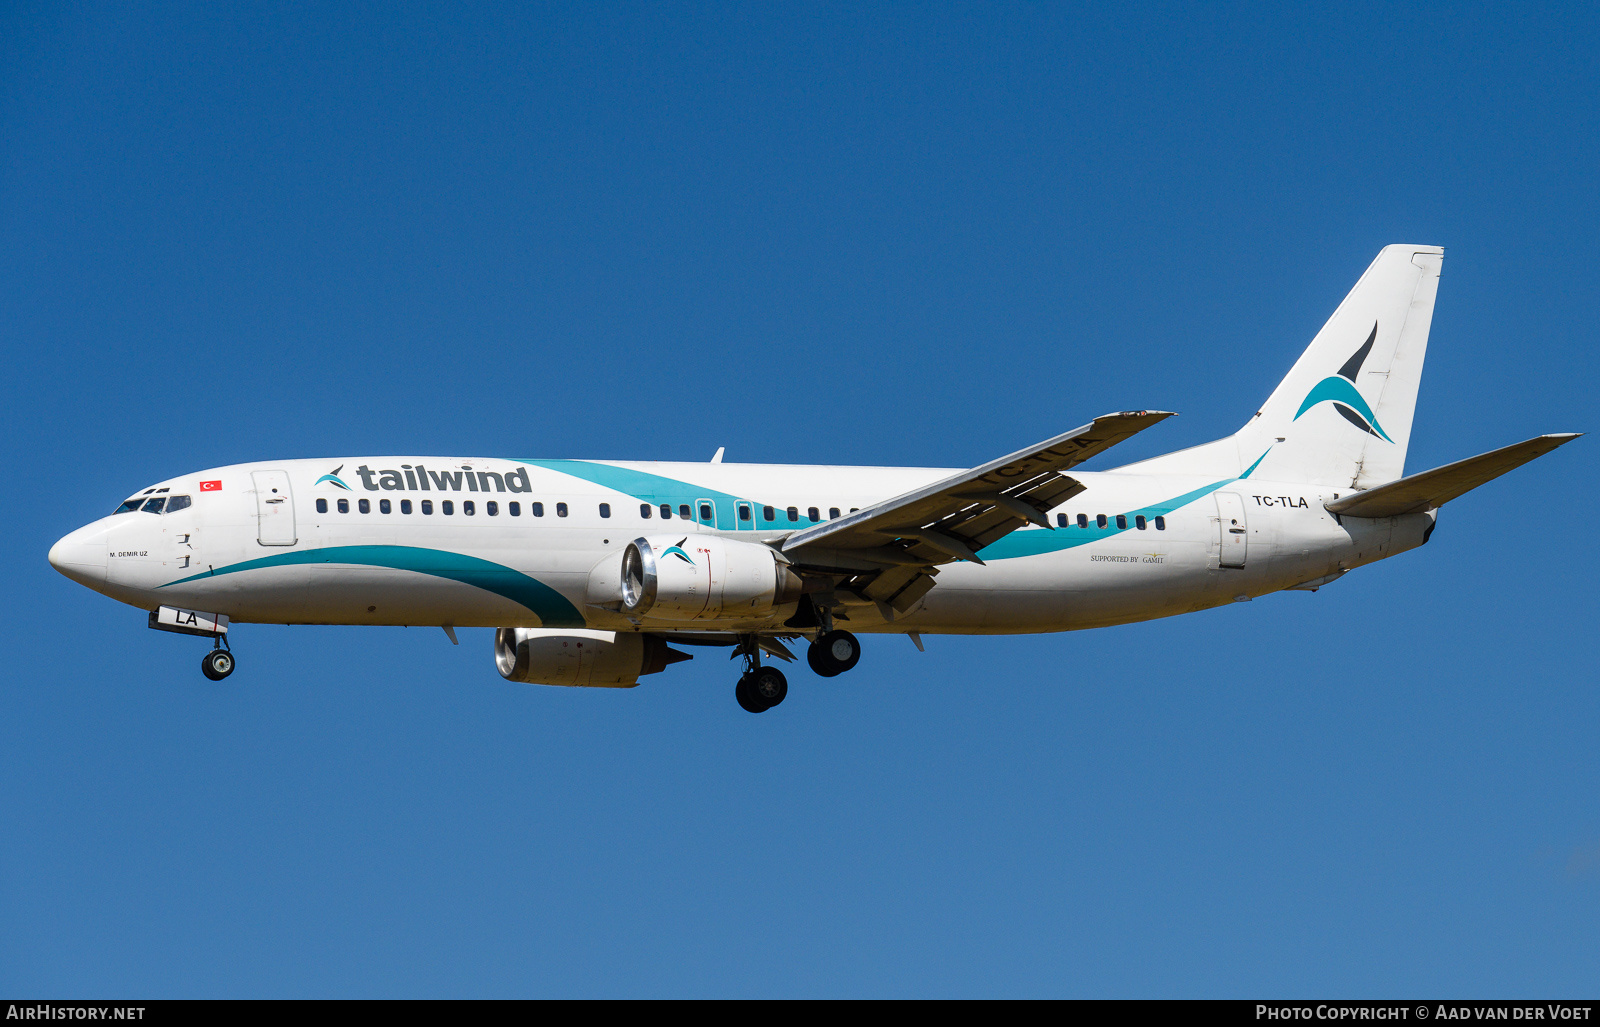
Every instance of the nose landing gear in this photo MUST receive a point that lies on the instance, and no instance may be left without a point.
(218, 663)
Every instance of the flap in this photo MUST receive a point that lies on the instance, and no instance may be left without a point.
(956, 518)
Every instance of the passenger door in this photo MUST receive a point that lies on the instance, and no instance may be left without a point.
(274, 508)
(1231, 526)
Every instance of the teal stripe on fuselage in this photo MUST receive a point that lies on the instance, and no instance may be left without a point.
(1038, 541)
(656, 488)
(552, 608)
(1252, 468)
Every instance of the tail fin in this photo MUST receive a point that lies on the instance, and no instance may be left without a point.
(1342, 416)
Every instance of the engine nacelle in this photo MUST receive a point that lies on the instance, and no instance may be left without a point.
(577, 656)
(704, 577)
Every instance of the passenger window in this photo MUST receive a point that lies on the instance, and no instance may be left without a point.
(514, 508)
(1083, 520)
(492, 508)
(768, 514)
(833, 513)
(537, 509)
(605, 509)
(427, 507)
(705, 513)
(794, 513)
(1099, 520)
(1161, 524)
(364, 506)
(645, 510)
(744, 511)
(666, 512)
(446, 507)
(561, 509)
(1122, 521)
(322, 506)
(811, 512)
(683, 512)
(344, 506)
(468, 508)
(853, 509)
(155, 505)
(1061, 520)
(1138, 522)
(405, 506)
(177, 503)
(384, 507)
(128, 507)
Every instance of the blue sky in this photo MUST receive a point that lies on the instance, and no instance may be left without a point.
(888, 235)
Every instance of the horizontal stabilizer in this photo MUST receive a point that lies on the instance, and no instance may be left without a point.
(1435, 488)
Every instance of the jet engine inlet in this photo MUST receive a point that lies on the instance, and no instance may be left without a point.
(638, 576)
(704, 577)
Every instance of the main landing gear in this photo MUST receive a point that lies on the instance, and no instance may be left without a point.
(833, 653)
(762, 688)
(219, 662)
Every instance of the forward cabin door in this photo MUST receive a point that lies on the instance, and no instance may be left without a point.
(274, 508)
(1234, 531)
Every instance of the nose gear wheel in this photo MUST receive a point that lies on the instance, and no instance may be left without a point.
(217, 664)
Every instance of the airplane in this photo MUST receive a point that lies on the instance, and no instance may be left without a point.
(592, 570)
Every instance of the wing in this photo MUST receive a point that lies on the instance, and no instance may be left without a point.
(893, 549)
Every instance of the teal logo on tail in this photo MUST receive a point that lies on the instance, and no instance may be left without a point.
(1340, 390)
(333, 478)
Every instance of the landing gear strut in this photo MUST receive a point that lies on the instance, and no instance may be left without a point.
(761, 688)
(219, 662)
(833, 653)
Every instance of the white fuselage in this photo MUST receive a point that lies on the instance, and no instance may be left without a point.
(295, 556)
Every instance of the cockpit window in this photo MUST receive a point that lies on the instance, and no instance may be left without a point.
(154, 504)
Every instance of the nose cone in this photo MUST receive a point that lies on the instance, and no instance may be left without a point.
(81, 556)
